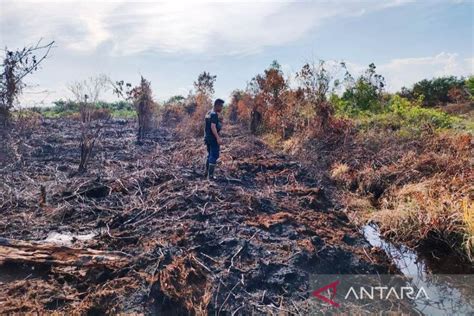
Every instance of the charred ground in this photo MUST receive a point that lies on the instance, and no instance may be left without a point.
(247, 242)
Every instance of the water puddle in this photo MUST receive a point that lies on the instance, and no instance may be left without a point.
(449, 286)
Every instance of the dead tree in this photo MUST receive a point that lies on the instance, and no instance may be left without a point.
(87, 94)
(255, 121)
(15, 67)
(144, 106)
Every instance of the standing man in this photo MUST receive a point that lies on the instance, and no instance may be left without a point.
(211, 137)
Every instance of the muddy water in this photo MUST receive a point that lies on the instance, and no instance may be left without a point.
(449, 286)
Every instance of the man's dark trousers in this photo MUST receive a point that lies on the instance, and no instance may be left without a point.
(213, 150)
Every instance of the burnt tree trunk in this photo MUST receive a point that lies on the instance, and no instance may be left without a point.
(255, 121)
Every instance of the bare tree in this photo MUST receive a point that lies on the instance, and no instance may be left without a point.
(15, 67)
(87, 94)
(315, 80)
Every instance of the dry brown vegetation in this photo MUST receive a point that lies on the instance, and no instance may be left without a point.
(412, 181)
(413, 188)
(146, 108)
(192, 122)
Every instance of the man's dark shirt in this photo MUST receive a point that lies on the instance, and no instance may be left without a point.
(211, 117)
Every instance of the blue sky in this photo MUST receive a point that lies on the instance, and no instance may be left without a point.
(170, 43)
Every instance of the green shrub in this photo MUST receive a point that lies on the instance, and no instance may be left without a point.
(52, 113)
(406, 118)
(365, 93)
(115, 106)
(346, 108)
(413, 114)
(436, 91)
(341, 106)
(61, 108)
(64, 106)
(470, 86)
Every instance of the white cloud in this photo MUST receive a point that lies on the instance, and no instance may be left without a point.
(470, 64)
(88, 32)
(225, 27)
(406, 71)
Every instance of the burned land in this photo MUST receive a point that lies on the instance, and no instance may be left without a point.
(143, 231)
(105, 208)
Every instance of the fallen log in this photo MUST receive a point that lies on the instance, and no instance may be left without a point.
(12, 250)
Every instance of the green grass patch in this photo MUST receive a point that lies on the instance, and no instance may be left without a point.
(126, 114)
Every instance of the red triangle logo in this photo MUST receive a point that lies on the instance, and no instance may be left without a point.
(328, 300)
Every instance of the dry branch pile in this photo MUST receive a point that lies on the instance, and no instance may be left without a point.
(248, 242)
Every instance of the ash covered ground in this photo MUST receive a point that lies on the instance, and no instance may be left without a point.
(162, 239)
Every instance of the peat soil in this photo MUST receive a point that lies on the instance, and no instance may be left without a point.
(248, 242)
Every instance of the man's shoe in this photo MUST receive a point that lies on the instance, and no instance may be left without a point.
(210, 172)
